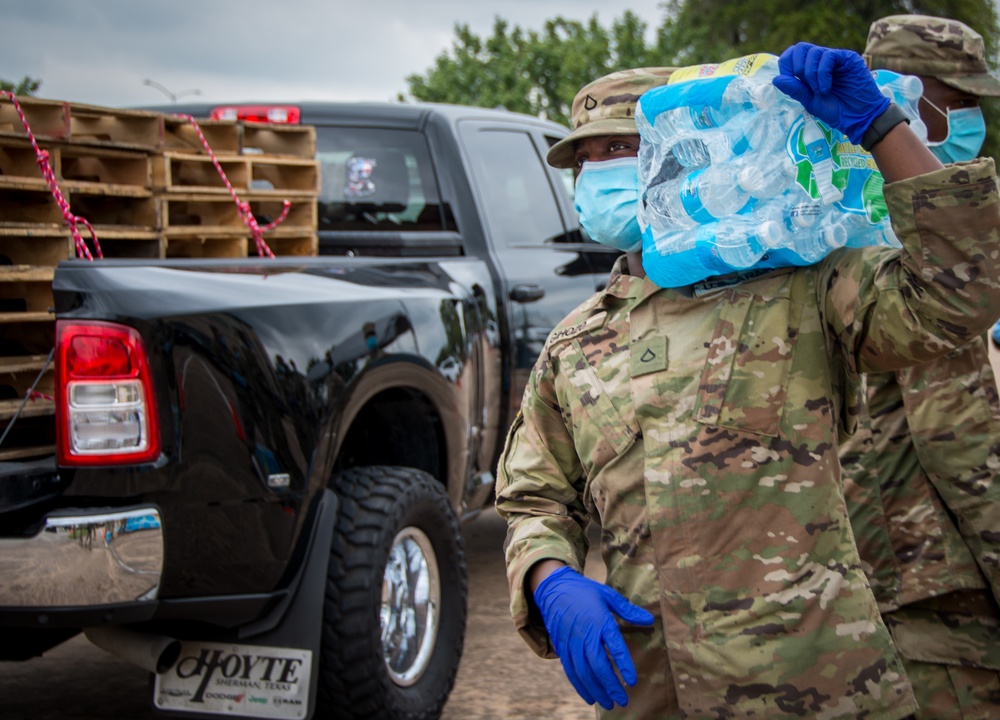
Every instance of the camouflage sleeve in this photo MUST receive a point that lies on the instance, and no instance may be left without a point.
(953, 414)
(891, 308)
(538, 492)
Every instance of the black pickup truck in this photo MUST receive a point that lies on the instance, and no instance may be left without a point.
(263, 464)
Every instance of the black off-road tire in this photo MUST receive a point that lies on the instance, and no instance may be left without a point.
(377, 505)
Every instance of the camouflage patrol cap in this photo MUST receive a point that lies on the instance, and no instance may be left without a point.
(945, 49)
(606, 106)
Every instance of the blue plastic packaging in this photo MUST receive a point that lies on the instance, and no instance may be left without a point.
(733, 175)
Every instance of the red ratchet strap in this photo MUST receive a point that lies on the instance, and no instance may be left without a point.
(247, 216)
(42, 159)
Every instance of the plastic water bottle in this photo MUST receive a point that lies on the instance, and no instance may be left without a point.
(818, 150)
(676, 137)
(801, 216)
(663, 210)
(736, 175)
(911, 88)
(728, 246)
(765, 175)
(700, 197)
(725, 251)
(808, 230)
(713, 192)
(758, 94)
(905, 91)
(861, 232)
(814, 245)
(692, 152)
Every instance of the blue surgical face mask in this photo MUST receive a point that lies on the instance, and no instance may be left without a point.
(966, 133)
(607, 198)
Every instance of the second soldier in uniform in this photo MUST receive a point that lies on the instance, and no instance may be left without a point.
(922, 482)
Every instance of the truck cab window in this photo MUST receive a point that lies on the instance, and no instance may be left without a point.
(379, 180)
(521, 206)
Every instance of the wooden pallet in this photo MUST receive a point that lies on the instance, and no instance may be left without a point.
(18, 164)
(150, 190)
(187, 172)
(45, 248)
(284, 175)
(30, 246)
(83, 124)
(48, 119)
(111, 172)
(26, 289)
(33, 436)
(17, 375)
(199, 214)
(301, 246)
(207, 246)
(76, 167)
(267, 139)
(141, 244)
(25, 344)
(109, 188)
(133, 212)
(179, 134)
(124, 129)
(302, 217)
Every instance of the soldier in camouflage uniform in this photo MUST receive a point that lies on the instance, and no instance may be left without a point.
(699, 428)
(950, 60)
(921, 475)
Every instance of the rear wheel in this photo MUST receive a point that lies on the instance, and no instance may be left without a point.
(394, 614)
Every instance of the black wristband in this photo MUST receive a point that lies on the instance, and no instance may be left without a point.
(881, 126)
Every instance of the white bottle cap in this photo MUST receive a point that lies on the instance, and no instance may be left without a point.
(770, 234)
(835, 236)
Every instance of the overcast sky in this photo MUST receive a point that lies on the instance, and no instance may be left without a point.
(101, 51)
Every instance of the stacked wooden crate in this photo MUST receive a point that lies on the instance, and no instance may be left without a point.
(266, 165)
(149, 188)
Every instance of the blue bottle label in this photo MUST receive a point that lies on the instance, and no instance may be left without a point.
(818, 150)
(691, 202)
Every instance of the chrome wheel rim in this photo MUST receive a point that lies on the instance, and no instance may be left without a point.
(411, 601)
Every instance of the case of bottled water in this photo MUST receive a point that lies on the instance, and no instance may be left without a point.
(734, 174)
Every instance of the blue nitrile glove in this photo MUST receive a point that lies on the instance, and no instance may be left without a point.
(832, 85)
(579, 616)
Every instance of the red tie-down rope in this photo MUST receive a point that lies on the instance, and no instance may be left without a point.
(42, 159)
(245, 214)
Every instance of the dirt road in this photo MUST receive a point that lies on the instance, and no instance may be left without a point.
(499, 677)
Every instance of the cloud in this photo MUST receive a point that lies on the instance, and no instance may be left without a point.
(101, 51)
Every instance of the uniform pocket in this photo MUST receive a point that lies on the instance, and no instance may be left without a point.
(745, 382)
(946, 638)
(600, 404)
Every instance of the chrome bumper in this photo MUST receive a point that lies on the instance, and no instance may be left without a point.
(84, 559)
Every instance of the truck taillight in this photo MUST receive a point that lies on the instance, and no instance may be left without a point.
(105, 408)
(286, 114)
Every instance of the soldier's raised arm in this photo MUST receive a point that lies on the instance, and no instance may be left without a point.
(892, 308)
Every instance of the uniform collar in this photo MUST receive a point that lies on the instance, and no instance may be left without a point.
(624, 286)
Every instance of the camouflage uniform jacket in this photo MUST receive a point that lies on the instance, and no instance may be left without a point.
(699, 427)
(923, 493)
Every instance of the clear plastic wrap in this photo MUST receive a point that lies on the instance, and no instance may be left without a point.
(734, 174)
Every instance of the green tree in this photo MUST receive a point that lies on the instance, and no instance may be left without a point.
(479, 71)
(26, 86)
(701, 31)
(535, 72)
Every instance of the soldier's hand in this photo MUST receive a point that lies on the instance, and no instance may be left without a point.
(833, 85)
(579, 615)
